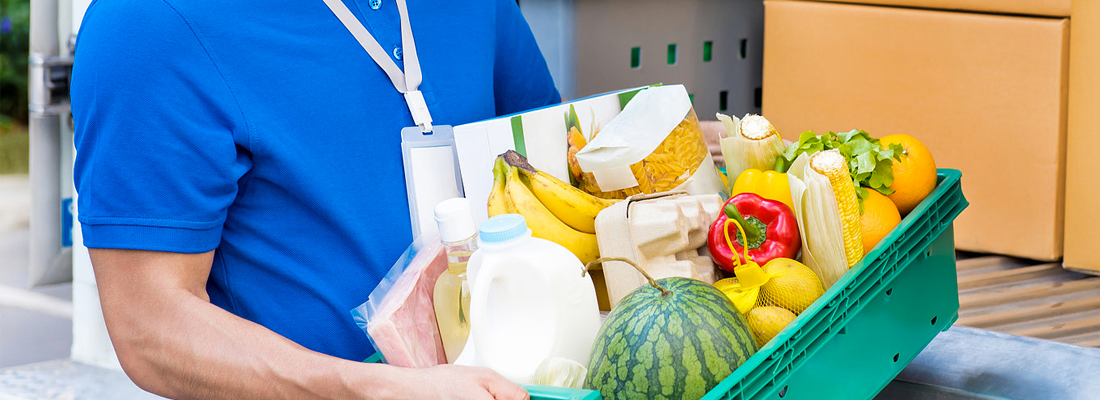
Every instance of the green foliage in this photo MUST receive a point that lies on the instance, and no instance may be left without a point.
(869, 163)
(14, 151)
(14, 51)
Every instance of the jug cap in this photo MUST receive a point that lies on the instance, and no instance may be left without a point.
(456, 222)
(502, 228)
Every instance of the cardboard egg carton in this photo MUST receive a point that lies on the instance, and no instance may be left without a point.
(664, 233)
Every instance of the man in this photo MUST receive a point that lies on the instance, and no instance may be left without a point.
(241, 188)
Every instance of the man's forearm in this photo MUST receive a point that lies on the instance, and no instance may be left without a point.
(197, 350)
(173, 342)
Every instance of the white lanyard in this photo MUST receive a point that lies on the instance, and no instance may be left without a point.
(408, 83)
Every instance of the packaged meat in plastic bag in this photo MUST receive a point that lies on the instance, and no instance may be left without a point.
(398, 317)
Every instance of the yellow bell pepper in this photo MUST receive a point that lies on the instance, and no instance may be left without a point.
(770, 185)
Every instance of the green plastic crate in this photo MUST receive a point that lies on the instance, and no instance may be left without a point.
(868, 326)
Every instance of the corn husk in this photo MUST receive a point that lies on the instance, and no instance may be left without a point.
(560, 372)
(819, 221)
(750, 142)
(834, 166)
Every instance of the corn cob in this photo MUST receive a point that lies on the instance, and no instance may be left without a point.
(832, 165)
(757, 127)
(753, 142)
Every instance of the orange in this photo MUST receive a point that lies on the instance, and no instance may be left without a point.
(880, 216)
(914, 175)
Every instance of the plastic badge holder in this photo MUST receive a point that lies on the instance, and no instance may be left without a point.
(866, 328)
(431, 173)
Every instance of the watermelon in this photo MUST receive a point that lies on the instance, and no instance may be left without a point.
(677, 345)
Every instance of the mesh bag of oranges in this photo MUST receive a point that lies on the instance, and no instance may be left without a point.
(655, 144)
(771, 296)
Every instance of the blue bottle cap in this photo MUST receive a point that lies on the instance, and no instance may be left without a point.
(502, 228)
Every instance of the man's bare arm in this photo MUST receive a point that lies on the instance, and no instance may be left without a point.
(173, 342)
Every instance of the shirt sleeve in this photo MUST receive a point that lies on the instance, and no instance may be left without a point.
(161, 142)
(522, 80)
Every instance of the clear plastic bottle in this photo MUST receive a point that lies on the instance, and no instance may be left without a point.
(452, 292)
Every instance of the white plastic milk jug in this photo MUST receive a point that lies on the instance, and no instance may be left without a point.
(529, 302)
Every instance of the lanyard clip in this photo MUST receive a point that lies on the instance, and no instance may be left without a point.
(419, 110)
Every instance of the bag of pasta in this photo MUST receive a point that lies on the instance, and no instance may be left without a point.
(654, 145)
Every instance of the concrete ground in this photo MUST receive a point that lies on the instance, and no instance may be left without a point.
(31, 329)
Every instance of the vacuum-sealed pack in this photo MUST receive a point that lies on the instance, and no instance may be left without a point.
(399, 316)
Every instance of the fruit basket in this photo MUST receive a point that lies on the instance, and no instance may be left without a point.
(868, 326)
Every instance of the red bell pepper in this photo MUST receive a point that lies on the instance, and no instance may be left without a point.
(770, 229)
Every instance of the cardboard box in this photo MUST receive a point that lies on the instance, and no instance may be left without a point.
(986, 93)
(1050, 8)
(1082, 164)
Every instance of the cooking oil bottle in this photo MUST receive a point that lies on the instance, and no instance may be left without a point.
(452, 292)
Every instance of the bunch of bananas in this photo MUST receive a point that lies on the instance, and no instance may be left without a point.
(554, 210)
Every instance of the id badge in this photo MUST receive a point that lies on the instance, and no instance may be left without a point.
(431, 173)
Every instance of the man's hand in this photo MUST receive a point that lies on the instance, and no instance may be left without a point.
(173, 342)
(457, 382)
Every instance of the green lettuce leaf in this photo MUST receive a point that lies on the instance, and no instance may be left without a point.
(869, 163)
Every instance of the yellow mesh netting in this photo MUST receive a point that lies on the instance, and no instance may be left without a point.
(772, 295)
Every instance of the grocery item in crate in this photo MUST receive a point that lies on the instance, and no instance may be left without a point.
(530, 302)
(914, 172)
(750, 143)
(880, 216)
(572, 206)
(398, 317)
(828, 214)
(771, 185)
(452, 292)
(674, 338)
(511, 194)
(538, 134)
(655, 144)
(566, 216)
(770, 230)
(665, 233)
(766, 322)
(870, 161)
(782, 282)
(791, 285)
(769, 296)
(561, 372)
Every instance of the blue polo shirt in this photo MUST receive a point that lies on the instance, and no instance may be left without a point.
(262, 130)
